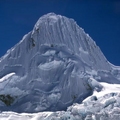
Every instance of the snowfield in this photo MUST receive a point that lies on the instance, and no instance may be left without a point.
(57, 72)
(104, 105)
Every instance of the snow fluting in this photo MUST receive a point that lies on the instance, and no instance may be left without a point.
(55, 67)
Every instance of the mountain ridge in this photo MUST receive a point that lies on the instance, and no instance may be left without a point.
(53, 66)
(48, 18)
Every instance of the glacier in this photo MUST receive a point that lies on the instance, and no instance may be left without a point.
(57, 72)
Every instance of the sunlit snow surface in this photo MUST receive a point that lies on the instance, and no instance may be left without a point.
(58, 68)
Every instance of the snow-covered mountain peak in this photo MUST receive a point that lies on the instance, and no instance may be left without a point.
(50, 17)
(55, 29)
(53, 66)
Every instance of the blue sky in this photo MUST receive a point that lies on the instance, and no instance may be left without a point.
(99, 18)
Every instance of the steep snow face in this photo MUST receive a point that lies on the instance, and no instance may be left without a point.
(52, 67)
(58, 30)
(52, 29)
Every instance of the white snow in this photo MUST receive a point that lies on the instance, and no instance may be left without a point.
(6, 77)
(107, 89)
(54, 66)
(54, 17)
(81, 50)
(51, 52)
(50, 65)
(12, 91)
(94, 84)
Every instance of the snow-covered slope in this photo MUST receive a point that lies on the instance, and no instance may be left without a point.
(52, 67)
(104, 105)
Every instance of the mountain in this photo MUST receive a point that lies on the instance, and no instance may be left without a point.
(52, 67)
